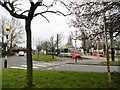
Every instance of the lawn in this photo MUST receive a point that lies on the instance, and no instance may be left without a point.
(112, 63)
(116, 56)
(15, 78)
(44, 57)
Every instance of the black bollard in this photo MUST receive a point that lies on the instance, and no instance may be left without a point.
(5, 64)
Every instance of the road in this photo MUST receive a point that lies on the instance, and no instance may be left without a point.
(65, 64)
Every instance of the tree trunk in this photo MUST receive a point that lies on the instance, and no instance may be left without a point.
(57, 44)
(29, 54)
(53, 52)
(46, 47)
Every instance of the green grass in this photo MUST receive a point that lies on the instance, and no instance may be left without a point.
(44, 57)
(15, 78)
(116, 56)
(112, 63)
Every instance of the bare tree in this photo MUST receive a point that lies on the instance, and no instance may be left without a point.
(54, 43)
(13, 8)
(15, 35)
(38, 46)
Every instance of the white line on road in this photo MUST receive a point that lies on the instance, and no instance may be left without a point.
(51, 63)
(49, 68)
(56, 67)
(39, 65)
(26, 66)
(18, 67)
(23, 65)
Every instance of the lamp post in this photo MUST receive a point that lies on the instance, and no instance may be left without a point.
(6, 49)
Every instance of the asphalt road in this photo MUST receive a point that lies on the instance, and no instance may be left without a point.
(65, 64)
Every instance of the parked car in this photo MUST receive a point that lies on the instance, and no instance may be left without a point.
(21, 53)
(97, 54)
(76, 54)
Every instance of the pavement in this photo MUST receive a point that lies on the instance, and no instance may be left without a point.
(85, 60)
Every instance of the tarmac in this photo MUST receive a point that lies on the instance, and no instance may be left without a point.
(85, 60)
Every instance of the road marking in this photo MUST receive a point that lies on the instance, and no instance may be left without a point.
(18, 67)
(51, 64)
(23, 65)
(39, 65)
(56, 67)
(67, 65)
(48, 63)
(26, 66)
(49, 68)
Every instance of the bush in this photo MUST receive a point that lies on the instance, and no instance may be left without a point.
(11, 53)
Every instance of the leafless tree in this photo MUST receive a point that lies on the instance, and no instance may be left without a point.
(15, 35)
(13, 7)
(54, 42)
(38, 46)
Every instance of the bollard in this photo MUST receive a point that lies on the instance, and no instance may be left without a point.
(5, 63)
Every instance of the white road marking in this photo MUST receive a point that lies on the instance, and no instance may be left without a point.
(56, 67)
(67, 65)
(51, 63)
(39, 65)
(26, 66)
(49, 68)
(23, 65)
(17, 67)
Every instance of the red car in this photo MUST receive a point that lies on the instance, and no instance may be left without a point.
(76, 54)
(97, 54)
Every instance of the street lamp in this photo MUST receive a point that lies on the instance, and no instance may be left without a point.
(6, 49)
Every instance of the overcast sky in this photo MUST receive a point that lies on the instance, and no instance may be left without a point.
(42, 30)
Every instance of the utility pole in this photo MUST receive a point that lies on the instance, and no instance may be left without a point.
(6, 49)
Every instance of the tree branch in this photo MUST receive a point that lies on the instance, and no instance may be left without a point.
(1, 2)
(24, 12)
(31, 2)
(67, 7)
(44, 17)
(12, 12)
(56, 12)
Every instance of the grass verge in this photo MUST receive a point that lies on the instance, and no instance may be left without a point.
(15, 78)
(44, 57)
(112, 63)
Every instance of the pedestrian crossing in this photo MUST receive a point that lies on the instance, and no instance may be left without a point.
(48, 66)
